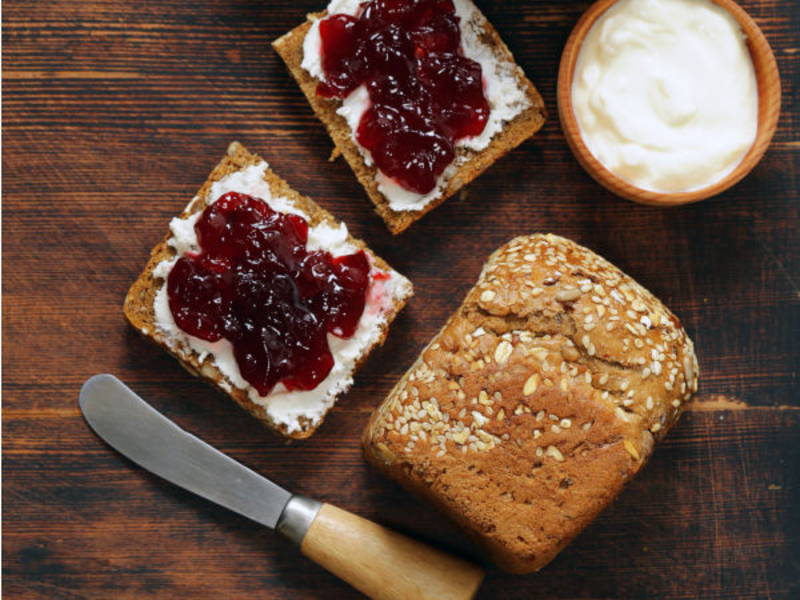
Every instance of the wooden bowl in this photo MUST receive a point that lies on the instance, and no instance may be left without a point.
(769, 107)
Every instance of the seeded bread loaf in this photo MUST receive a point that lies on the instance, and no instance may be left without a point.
(470, 163)
(541, 397)
(140, 301)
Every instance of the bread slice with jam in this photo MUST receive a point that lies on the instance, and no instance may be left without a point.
(516, 111)
(261, 348)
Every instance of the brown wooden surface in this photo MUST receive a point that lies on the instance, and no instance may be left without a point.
(114, 113)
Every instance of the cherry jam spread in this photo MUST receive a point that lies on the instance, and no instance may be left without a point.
(425, 94)
(256, 284)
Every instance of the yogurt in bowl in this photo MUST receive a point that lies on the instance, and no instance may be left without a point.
(668, 101)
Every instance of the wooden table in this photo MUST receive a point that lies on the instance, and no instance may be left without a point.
(115, 112)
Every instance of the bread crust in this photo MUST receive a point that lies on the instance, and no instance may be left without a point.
(523, 126)
(539, 399)
(139, 303)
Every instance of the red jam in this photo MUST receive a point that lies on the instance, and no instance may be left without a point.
(425, 94)
(256, 284)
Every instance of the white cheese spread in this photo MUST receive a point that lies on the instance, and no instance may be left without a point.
(284, 407)
(506, 98)
(665, 93)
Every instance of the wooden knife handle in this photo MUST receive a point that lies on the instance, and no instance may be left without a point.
(384, 564)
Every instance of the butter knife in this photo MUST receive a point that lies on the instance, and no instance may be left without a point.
(379, 562)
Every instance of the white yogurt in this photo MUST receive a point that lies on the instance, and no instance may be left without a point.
(506, 98)
(284, 407)
(665, 93)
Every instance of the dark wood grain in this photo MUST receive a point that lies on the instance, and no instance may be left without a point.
(113, 115)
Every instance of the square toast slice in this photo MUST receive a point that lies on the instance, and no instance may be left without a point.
(140, 303)
(470, 163)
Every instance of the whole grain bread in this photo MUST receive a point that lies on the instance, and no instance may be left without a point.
(139, 303)
(539, 399)
(523, 126)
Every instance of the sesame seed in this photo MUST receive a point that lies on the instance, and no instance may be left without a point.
(503, 352)
(531, 385)
(688, 368)
(565, 423)
(479, 418)
(555, 453)
(487, 296)
(631, 449)
(570, 353)
(540, 353)
(461, 436)
(656, 367)
(567, 294)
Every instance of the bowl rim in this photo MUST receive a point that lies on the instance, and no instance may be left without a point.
(769, 104)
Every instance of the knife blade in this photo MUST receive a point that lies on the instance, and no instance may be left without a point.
(148, 438)
(375, 560)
